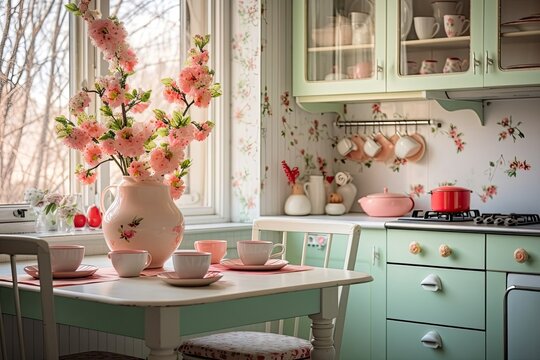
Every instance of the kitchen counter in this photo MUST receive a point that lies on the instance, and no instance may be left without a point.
(365, 221)
(465, 226)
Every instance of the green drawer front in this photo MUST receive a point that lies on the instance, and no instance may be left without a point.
(404, 342)
(460, 302)
(500, 253)
(468, 250)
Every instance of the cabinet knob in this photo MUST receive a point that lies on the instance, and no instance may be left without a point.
(432, 340)
(414, 248)
(445, 250)
(521, 255)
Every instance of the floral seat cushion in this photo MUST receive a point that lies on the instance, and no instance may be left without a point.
(247, 345)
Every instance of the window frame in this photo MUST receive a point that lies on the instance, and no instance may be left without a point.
(86, 63)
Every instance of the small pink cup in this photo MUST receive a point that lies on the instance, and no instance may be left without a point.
(66, 258)
(218, 249)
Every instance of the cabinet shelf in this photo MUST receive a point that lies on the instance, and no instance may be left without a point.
(439, 43)
(519, 34)
(363, 47)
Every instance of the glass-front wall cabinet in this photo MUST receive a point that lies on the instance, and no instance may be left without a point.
(342, 45)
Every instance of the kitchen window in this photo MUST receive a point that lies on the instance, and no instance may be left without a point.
(45, 57)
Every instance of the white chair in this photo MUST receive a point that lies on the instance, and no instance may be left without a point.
(14, 245)
(267, 345)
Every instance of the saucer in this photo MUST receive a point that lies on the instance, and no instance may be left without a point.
(171, 278)
(237, 264)
(82, 271)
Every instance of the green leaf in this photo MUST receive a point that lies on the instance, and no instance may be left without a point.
(71, 7)
(215, 90)
(162, 132)
(106, 110)
(167, 81)
(62, 120)
(146, 96)
(108, 135)
(160, 114)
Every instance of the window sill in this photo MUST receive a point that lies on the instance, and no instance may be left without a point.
(94, 241)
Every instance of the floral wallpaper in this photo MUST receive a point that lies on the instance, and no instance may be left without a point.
(245, 118)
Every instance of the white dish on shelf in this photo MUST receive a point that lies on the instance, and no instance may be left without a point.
(522, 66)
(170, 277)
(524, 25)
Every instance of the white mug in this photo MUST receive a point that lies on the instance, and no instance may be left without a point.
(345, 146)
(425, 27)
(129, 263)
(406, 146)
(454, 64)
(455, 25)
(257, 252)
(190, 264)
(371, 147)
(429, 67)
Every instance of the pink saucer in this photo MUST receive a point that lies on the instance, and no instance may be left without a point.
(82, 271)
(170, 277)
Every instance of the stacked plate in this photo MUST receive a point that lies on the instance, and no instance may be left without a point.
(527, 23)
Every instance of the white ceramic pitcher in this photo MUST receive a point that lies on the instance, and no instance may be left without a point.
(316, 193)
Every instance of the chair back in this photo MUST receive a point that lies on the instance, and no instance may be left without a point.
(14, 245)
(348, 232)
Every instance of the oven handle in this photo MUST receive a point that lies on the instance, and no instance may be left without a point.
(505, 311)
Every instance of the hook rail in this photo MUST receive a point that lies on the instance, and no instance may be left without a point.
(341, 123)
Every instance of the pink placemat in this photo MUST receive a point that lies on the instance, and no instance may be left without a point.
(101, 275)
(285, 269)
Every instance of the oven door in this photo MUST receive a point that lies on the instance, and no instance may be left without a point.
(522, 317)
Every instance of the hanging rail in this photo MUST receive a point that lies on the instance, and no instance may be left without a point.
(341, 123)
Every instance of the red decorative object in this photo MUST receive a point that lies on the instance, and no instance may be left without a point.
(94, 217)
(292, 174)
(79, 220)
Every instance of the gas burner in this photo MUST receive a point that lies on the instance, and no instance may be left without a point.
(429, 215)
(508, 219)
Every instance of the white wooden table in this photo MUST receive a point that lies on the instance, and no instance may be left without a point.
(149, 309)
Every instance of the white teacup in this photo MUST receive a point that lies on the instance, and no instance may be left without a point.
(429, 66)
(190, 264)
(129, 263)
(406, 146)
(66, 258)
(371, 147)
(345, 146)
(454, 64)
(426, 27)
(455, 25)
(257, 252)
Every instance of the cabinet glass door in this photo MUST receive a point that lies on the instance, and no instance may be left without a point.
(513, 42)
(340, 40)
(436, 44)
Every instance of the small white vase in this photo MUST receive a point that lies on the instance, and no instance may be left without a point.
(316, 194)
(297, 203)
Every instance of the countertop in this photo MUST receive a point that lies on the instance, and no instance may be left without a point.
(381, 223)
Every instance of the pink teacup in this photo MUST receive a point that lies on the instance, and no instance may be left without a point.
(66, 258)
(455, 25)
(360, 71)
(218, 249)
(429, 67)
(454, 64)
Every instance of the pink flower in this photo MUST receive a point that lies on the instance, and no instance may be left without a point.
(92, 154)
(176, 185)
(77, 139)
(165, 160)
(197, 57)
(106, 34)
(87, 177)
(93, 128)
(194, 77)
(206, 128)
(182, 137)
(79, 102)
(107, 147)
(126, 58)
(138, 170)
(140, 107)
(129, 143)
(115, 94)
(202, 97)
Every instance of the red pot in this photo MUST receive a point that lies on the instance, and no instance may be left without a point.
(450, 199)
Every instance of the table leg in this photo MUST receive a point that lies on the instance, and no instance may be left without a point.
(162, 332)
(322, 326)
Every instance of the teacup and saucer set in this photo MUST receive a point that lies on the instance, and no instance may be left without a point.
(256, 255)
(65, 263)
(190, 269)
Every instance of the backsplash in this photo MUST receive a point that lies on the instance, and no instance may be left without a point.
(499, 161)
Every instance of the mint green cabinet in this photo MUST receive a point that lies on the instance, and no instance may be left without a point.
(455, 343)
(502, 252)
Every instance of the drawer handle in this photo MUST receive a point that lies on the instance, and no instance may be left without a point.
(445, 250)
(415, 248)
(521, 255)
(432, 340)
(431, 282)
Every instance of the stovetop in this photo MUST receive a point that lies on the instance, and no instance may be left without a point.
(497, 219)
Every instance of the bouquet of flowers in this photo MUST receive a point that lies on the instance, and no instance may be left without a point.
(150, 149)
